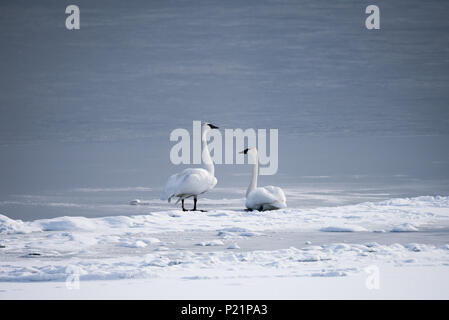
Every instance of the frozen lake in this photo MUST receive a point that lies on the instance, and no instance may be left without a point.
(363, 120)
(47, 180)
(251, 252)
(86, 115)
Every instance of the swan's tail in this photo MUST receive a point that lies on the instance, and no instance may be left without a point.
(280, 205)
(274, 205)
(165, 196)
(171, 188)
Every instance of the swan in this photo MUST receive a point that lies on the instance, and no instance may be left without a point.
(192, 182)
(265, 198)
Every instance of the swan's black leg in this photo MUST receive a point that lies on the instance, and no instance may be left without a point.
(195, 199)
(182, 202)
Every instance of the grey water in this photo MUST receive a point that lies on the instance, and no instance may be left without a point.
(85, 115)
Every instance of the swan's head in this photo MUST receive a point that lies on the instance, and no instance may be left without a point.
(252, 151)
(207, 126)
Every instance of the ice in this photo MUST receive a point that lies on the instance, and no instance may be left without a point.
(249, 234)
(208, 247)
(8, 225)
(332, 260)
(233, 246)
(347, 228)
(394, 215)
(406, 227)
(134, 244)
(211, 243)
(66, 224)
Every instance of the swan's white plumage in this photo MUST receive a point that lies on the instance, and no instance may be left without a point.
(266, 198)
(190, 182)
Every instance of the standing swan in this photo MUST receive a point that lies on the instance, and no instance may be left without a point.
(193, 181)
(265, 198)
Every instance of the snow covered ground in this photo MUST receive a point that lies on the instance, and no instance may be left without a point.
(325, 252)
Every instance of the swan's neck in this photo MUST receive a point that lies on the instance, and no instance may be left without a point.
(253, 183)
(207, 161)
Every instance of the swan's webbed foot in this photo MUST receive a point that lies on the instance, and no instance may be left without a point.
(195, 199)
(194, 206)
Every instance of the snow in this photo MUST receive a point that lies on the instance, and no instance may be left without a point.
(67, 223)
(8, 225)
(406, 227)
(230, 246)
(134, 244)
(233, 246)
(399, 215)
(347, 228)
(327, 260)
(431, 281)
(210, 243)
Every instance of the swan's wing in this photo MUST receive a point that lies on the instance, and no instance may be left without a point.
(277, 193)
(260, 197)
(196, 181)
(189, 182)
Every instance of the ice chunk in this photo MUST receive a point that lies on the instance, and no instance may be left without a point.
(345, 228)
(210, 243)
(406, 227)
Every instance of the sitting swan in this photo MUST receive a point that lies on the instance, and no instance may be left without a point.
(193, 181)
(265, 198)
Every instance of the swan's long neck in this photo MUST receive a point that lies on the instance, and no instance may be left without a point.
(253, 183)
(207, 161)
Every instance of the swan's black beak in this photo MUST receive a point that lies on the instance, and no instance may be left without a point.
(212, 126)
(244, 151)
